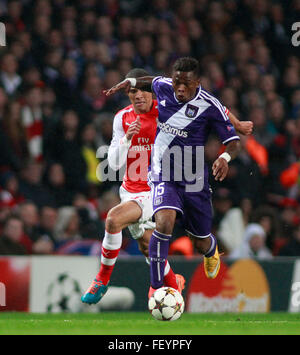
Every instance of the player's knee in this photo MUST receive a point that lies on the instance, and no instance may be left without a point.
(164, 221)
(164, 226)
(111, 223)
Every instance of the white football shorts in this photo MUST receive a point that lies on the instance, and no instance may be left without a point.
(144, 200)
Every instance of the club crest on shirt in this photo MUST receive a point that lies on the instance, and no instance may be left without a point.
(191, 111)
(158, 200)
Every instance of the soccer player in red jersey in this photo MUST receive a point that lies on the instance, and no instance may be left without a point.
(134, 130)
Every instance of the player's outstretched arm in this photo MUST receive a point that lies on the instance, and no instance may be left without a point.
(242, 127)
(220, 166)
(143, 82)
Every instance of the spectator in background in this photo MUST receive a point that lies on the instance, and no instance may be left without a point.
(105, 127)
(289, 216)
(90, 224)
(47, 221)
(32, 186)
(291, 81)
(89, 149)
(14, 15)
(10, 80)
(269, 219)
(228, 97)
(67, 228)
(32, 77)
(52, 113)
(69, 152)
(55, 180)
(10, 194)
(67, 84)
(232, 225)
(32, 121)
(29, 215)
(12, 239)
(268, 86)
(3, 103)
(15, 132)
(276, 113)
(250, 167)
(253, 245)
(261, 131)
(109, 199)
(118, 101)
(92, 99)
(53, 60)
(295, 105)
(292, 247)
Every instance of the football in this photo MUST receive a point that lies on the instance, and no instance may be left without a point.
(166, 304)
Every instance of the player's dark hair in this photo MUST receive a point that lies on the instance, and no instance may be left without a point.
(187, 64)
(137, 73)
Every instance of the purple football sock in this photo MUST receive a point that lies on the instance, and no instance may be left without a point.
(211, 251)
(158, 253)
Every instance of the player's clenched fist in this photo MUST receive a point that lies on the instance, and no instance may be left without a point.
(245, 127)
(220, 169)
(134, 128)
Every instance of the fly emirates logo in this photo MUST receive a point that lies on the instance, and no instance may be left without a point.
(143, 145)
(165, 127)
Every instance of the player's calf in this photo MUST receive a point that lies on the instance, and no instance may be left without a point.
(158, 253)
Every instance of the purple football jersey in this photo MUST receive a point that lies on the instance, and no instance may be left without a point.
(182, 130)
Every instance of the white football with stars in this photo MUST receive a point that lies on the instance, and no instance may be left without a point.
(166, 304)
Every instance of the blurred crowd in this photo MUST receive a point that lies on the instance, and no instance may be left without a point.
(60, 55)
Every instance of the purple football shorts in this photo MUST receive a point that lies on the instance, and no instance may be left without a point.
(195, 208)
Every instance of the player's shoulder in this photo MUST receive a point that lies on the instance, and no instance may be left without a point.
(161, 81)
(216, 105)
(124, 112)
(206, 94)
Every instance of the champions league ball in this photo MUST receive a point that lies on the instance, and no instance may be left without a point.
(166, 304)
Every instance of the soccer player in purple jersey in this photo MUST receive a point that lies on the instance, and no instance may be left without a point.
(187, 115)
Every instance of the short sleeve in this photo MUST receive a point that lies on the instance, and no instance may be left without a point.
(221, 124)
(160, 85)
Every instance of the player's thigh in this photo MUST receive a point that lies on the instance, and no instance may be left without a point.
(143, 199)
(167, 202)
(198, 214)
(122, 215)
(167, 195)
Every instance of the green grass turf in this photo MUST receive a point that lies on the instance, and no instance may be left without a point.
(127, 323)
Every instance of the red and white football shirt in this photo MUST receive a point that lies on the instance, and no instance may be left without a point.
(137, 152)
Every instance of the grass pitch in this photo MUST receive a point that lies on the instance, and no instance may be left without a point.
(130, 323)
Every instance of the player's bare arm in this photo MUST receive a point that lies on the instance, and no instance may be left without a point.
(220, 166)
(139, 83)
(242, 127)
